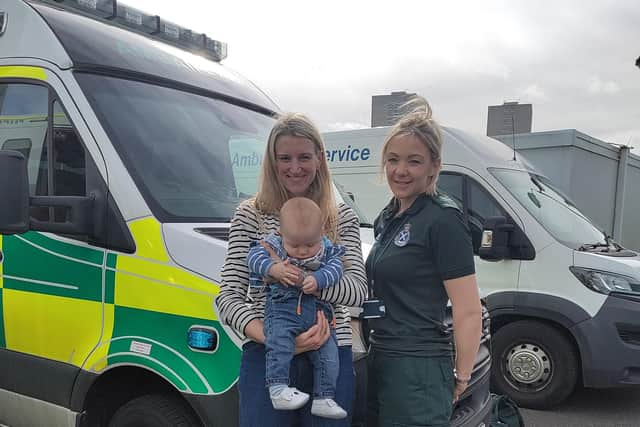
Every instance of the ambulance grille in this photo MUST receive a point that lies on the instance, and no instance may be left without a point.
(217, 233)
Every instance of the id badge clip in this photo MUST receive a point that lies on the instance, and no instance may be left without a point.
(373, 309)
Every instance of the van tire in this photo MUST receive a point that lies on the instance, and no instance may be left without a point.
(154, 410)
(534, 364)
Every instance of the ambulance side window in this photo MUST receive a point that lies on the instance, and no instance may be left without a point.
(69, 170)
(34, 123)
(24, 110)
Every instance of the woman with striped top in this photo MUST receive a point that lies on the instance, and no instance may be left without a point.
(294, 166)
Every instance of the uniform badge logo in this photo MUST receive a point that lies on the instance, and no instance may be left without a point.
(402, 238)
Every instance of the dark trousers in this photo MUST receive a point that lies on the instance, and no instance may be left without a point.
(256, 409)
(409, 391)
(286, 317)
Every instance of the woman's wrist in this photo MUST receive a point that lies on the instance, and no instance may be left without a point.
(461, 378)
(255, 331)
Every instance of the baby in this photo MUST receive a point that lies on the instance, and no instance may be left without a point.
(292, 306)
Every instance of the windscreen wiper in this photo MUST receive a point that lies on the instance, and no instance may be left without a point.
(590, 246)
(611, 242)
(537, 184)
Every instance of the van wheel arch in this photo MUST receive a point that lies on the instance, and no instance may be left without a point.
(119, 386)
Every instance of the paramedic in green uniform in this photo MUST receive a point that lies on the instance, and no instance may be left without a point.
(422, 257)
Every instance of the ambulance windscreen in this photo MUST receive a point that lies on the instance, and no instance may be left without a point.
(194, 158)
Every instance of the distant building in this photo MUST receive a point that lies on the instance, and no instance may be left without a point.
(509, 118)
(387, 109)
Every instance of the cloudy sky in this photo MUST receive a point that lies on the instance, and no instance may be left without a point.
(572, 59)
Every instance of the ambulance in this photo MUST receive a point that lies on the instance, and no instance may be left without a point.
(125, 147)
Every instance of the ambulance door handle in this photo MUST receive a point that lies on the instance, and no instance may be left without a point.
(1, 256)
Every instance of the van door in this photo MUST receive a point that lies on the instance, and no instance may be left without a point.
(477, 204)
(52, 285)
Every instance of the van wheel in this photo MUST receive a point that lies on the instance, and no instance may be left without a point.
(154, 410)
(534, 364)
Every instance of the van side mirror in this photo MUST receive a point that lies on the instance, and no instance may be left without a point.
(14, 209)
(14, 193)
(502, 239)
(494, 245)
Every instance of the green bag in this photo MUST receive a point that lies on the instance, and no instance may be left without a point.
(504, 412)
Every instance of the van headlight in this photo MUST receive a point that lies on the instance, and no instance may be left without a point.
(605, 282)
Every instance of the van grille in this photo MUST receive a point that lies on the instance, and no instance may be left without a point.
(629, 333)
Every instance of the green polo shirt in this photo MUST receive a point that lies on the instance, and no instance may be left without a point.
(414, 253)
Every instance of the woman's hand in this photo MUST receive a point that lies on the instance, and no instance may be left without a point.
(255, 331)
(315, 336)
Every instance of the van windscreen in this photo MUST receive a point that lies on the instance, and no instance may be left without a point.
(550, 207)
(194, 158)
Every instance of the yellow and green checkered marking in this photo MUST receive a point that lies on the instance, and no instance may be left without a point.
(55, 290)
(58, 300)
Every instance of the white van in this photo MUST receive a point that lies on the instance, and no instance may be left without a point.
(564, 299)
(125, 147)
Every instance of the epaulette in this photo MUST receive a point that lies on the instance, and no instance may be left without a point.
(444, 201)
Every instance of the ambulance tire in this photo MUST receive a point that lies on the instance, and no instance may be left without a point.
(533, 363)
(155, 410)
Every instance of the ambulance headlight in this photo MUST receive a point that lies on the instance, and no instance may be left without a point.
(605, 282)
(153, 26)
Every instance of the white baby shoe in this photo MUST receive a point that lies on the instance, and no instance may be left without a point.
(289, 398)
(327, 408)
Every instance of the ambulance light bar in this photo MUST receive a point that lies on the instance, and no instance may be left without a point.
(151, 25)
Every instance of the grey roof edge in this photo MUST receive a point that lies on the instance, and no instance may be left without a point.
(577, 139)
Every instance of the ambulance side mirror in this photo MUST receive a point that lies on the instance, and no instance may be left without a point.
(14, 193)
(15, 203)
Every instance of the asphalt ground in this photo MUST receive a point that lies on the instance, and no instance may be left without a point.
(618, 407)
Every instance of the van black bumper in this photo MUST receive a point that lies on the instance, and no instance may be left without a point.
(610, 343)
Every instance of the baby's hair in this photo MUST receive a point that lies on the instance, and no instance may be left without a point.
(301, 213)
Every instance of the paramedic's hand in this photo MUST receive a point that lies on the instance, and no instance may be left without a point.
(285, 273)
(315, 336)
(459, 388)
(309, 285)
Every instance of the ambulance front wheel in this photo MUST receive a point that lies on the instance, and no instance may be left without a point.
(155, 410)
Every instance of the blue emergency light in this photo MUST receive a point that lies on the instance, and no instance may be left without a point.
(202, 338)
(153, 26)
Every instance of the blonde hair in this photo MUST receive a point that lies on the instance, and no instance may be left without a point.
(272, 195)
(300, 213)
(420, 124)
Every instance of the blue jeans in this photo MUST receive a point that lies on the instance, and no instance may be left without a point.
(255, 405)
(288, 313)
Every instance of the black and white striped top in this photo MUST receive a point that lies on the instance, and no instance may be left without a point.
(238, 303)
